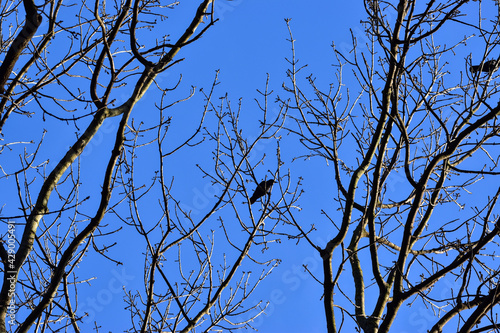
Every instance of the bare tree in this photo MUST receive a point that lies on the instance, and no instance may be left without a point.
(413, 154)
(82, 67)
(415, 160)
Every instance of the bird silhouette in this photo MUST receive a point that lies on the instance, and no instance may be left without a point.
(262, 189)
(489, 67)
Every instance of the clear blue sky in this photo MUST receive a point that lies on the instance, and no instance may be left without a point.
(249, 42)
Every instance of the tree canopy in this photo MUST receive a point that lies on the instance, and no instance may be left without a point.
(119, 178)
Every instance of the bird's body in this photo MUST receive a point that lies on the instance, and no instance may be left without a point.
(489, 67)
(262, 189)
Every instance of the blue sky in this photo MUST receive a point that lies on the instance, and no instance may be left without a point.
(248, 43)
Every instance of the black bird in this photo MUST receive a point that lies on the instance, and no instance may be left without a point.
(261, 190)
(489, 66)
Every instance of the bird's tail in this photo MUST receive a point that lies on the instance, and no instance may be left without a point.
(474, 69)
(252, 200)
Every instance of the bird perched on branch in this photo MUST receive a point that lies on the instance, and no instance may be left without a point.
(261, 190)
(489, 67)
